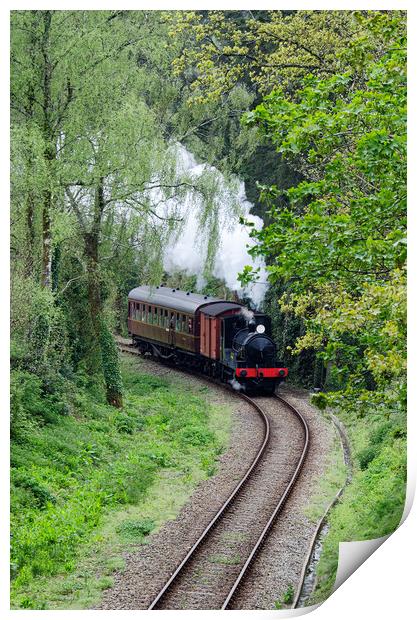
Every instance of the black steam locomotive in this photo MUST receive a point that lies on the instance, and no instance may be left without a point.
(219, 338)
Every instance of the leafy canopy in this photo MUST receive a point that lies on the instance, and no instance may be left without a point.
(258, 48)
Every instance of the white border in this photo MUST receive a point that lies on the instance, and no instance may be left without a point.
(384, 586)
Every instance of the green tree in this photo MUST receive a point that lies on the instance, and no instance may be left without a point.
(227, 60)
(264, 49)
(341, 244)
(94, 161)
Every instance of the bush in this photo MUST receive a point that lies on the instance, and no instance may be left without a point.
(37, 323)
(366, 456)
(40, 494)
(33, 402)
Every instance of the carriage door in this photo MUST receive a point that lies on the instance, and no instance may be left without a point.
(172, 322)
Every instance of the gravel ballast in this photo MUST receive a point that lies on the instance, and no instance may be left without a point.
(280, 562)
(207, 579)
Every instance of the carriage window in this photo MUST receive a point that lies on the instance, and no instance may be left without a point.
(184, 324)
(166, 321)
(172, 321)
(136, 313)
(155, 316)
(190, 326)
(149, 317)
(143, 312)
(178, 322)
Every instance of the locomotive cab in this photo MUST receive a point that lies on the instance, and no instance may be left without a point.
(231, 325)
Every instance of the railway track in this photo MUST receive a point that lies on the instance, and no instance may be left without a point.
(215, 567)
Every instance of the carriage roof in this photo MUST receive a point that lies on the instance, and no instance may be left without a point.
(183, 301)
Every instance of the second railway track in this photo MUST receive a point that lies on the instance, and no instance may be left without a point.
(215, 567)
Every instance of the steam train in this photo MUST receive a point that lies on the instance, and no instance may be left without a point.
(219, 338)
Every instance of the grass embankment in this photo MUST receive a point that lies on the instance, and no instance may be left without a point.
(92, 481)
(372, 504)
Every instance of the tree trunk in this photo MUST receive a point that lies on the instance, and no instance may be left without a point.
(55, 266)
(46, 241)
(102, 336)
(30, 199)
(30, 223)
(48, 133)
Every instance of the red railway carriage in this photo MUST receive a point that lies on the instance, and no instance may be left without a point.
(220, 338)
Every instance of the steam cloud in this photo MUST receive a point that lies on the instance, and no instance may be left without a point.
(236, 385)
(187, 252)
(247, 314)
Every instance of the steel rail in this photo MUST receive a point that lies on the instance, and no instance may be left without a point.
(273, 517)
(224, 507)
(278, 508)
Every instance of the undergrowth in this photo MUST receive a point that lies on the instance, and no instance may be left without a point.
(88, 480)
(372, 504)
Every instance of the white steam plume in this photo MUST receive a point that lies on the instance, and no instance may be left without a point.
(247, 314)
(238, 387)
(187, 252)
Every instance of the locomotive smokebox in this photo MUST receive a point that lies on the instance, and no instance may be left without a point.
(260, 350)
(252, 325)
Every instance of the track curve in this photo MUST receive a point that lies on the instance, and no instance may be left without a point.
(278, 508)
(222, 509)
(250, 510)
(210, 564)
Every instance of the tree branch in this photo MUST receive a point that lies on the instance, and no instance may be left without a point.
(75, 208)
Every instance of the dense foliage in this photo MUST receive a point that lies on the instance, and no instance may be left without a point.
(341, 243)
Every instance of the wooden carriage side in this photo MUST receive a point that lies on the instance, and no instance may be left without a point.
(179, 319)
